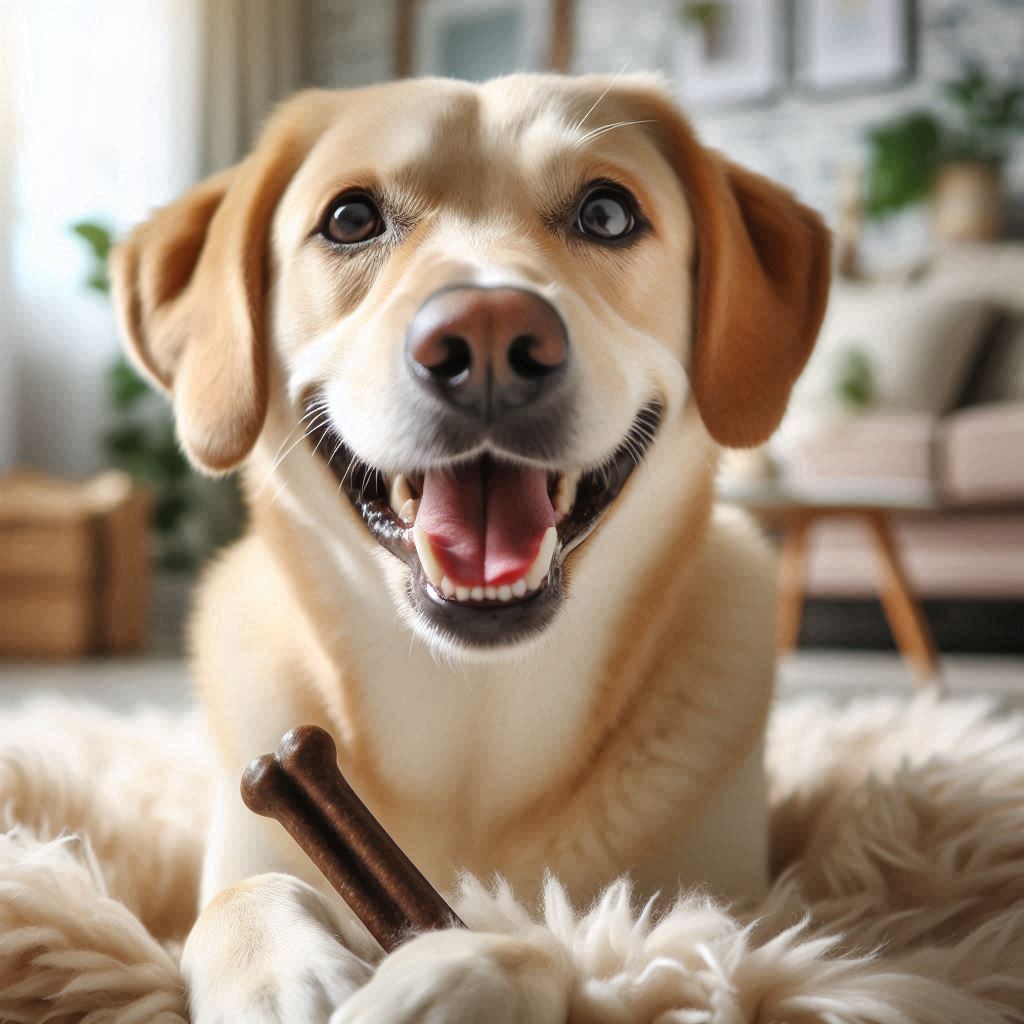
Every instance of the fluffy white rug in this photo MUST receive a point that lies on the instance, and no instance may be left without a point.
(898, 836)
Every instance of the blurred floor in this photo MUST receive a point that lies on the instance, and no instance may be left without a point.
(163, 681)
(120, 683)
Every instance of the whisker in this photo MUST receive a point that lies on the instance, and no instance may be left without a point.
(278, 457)
(604, 129)
(583, 119)
(319, 422)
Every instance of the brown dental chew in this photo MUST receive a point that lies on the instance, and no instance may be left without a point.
(302, 787)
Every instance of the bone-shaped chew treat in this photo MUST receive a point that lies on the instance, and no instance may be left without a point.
(302, 787)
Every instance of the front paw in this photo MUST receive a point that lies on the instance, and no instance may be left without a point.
(463, 977)
(269, 951)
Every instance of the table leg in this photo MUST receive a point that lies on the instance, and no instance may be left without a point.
(791, 584)
(906, 620)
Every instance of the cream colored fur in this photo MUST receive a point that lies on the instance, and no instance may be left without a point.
(625, 737)
(898, 835)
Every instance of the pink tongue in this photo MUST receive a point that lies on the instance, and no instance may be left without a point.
(485, 520)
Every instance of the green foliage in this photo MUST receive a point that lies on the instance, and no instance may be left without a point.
(854, 378)
(704, 13)
(980, 125)
(986, 117)
(100, 240)
(192, 515)
(905, 154)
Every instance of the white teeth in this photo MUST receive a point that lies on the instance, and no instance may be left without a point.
(462, 593)
(519, 588)
(408, 511)
(565, 493)
(505, 593)
(477, 593)
(491, 593)
(431, 566)
(447, 587)
(542, 562)
(400, 494)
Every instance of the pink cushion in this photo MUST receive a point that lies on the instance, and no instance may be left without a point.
(874, 446)
(980, 454)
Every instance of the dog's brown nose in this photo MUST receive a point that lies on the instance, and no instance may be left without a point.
(488, 350)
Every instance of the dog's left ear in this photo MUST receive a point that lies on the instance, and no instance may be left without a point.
(762, 279)
(763, 273)
(189, 285)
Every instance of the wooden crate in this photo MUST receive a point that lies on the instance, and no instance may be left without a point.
(74, 565)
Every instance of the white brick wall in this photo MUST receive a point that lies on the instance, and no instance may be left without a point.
(797, 140)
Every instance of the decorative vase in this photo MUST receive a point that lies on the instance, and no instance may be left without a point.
(967, 203)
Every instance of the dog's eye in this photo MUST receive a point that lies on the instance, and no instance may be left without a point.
(606, 213)
(352, 217)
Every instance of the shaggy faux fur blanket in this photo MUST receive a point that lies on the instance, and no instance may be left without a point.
(898, 838)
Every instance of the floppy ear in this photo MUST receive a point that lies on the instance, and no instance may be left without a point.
(763, 272)
(762, 279)
(189, 286)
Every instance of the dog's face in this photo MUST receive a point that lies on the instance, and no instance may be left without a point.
(482, 303)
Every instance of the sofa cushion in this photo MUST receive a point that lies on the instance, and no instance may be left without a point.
(920, 345)
(874, 446)
(980, 454)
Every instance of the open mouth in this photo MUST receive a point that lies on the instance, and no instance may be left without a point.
(485, 537)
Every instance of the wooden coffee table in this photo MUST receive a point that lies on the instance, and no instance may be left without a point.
(795, 511)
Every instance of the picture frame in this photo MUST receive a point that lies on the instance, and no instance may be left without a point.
(479, 39)
(852, 46)
(730, 52)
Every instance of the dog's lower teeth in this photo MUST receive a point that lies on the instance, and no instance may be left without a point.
(408, 511)
(565, 493)
(400, 494)
(428, 560)
(541, 564)
(505, 592)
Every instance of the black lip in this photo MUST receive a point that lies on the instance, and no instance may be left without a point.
(488, 623)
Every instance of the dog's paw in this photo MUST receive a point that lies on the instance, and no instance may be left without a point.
(269, 951)
(463, 977)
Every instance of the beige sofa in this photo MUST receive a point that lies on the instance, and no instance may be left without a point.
(948, 354)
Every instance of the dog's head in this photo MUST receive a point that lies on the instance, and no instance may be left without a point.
(483, 304)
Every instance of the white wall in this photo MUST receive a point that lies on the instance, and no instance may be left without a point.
(101, 98)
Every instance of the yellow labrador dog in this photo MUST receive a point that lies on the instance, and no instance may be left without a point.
(475, 348)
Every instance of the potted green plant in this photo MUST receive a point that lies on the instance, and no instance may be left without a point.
(954, 159)
(968, 196)
(192, 515)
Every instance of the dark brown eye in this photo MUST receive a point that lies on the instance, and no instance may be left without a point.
(352, 218)
(606, 214)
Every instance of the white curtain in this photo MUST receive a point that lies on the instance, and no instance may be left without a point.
(254, 53)
(7, 409)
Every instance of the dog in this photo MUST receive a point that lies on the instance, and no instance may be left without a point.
(476, 348)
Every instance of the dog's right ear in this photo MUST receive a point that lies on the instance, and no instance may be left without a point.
(189, 287)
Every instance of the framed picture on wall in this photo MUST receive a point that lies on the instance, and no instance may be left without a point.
(729, 51)
(851, 45)
(479, 39)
